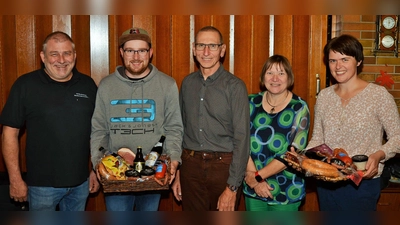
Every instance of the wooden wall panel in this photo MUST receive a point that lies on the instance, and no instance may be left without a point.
(202, 21)
(223, 23)
(300, 53)
(318, 29)
(145, 22)
(181, 54)
(80, 33)
(8, 64)
(243, 57)
(99, 56)
(117, 25)
(300, 38)
(162, 44)
(25, 44)
(26, 60)
(259, 50)
(62, 23)
(43, 27)
(283, 37)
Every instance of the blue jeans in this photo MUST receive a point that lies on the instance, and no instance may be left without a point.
(127, 201)
(68, 199)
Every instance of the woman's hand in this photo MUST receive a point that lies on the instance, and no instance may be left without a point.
(372, 164)
(250, 179)
(263, 190)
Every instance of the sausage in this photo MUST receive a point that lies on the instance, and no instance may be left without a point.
(319, 168)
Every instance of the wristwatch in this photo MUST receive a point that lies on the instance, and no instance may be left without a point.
(233, 188)
(259, 179)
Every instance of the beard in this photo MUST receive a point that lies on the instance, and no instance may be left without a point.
(136, 70)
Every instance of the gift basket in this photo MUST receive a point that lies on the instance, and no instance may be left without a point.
(119, 173)
(325, 164)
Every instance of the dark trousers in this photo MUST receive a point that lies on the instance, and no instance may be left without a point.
(346, 196)
(203, 178)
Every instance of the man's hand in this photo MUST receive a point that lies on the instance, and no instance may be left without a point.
(173, 169)
(10, 152)
(19, 191)
(94, 184)
(226, 201)
(176, 187)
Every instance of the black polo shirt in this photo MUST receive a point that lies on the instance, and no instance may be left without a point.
(57, 118)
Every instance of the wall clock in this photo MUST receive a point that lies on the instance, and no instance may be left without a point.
(387, 31)
(388, 22)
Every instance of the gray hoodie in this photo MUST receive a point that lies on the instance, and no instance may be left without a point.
(132, 113)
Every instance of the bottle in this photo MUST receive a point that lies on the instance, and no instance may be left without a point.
(138, 163)
(160, 171)
(155, 152)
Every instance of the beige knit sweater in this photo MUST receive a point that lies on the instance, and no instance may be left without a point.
(359, 126)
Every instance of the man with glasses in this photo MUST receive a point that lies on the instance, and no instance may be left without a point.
(215, 114)
(135, 105)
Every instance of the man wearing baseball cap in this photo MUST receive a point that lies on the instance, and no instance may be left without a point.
(135, 105)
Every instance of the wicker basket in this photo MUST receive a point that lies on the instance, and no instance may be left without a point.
(138, 184)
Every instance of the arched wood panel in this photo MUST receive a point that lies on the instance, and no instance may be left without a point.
(299, 38)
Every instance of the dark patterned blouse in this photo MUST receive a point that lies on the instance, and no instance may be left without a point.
(270, 137)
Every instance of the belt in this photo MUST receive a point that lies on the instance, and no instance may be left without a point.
(206, 155)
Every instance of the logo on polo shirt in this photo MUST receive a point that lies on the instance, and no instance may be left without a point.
(80, 95)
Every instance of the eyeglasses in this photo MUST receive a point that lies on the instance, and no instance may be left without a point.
(211, 47)
(131, 52)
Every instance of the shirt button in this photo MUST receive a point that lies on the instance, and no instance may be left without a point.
(201, 130)
(201, 99)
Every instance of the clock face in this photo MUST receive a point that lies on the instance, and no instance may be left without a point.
(387, 41)
(388, 22)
